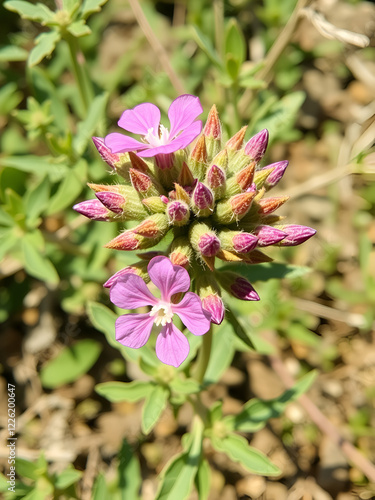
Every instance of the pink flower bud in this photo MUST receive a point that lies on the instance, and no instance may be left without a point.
(112, 201)
(93, 209)
(244, 242)
(268, 235)
(243, 290)
(277, 173)
(105, 152)
(212, 129)
(124, 241)
(214, 305)
(122, 272)
(164, 199)
(295, 234)
(209, 244)
(215, 177)
(257, 145)
(178, 213)
(203, 197)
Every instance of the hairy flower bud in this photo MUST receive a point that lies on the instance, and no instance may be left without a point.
(212, 133)
(235, 143)
(234, 208)
(237, 285)
(202, 202)
(268, 235)
(278, 170)
(131, 207)
(181, 252)
(209, 292)
(94, 210)
(110, 158)
(261, 176)
(156, 204)
(185, 177)
(268, 205)
(216, 180)
(241, 181)
(295, 234)
(257, 145)
(198, 158)
(113, 201)
(178, 213)
(221, 160)
(144, 183)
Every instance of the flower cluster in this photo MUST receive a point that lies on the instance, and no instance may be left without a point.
(213, 199)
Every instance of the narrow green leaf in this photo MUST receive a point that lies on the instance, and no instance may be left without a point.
(238, 329)
(68, 190)
(70, 364)
(91, 6)
(222, 353)
(203, 480)
(206, 45)
(10, 97)
(67, 477)
(87, 128)
(45, 44)
(234, 43)
(36, 264)
(104, 320)
(267, 271)
(154, 405)
(100, 490)
(124, 391)
(129, 473)
(36, 200)
(8, 239)
(13, 53)
(28, 10)
(239, 450)
(185, 386)
(38, 165)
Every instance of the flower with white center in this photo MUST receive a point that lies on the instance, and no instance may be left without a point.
(133, 330)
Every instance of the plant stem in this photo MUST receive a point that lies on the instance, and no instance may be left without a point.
(203, 356)
(83, 84)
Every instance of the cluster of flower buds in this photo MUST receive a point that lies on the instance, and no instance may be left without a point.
(213, 199)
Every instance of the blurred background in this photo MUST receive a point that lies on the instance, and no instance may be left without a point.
(306, 72)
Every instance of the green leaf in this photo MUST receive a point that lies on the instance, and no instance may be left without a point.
(100, 490)
(31, 470)
(5, 218)
(238, 329)
(36, 200)
(13, 53)
(91, 6)
(234, 43)
(155, 404)
(69, 189)
(232, 67)
(28, 10)
(79, 28)
(88, 127)
(36, 264)
(203, 480)
(70, 364)
(104, 320)
(116, 392)
(239, 450)
(257, 412)
(8, 240)
(129, 473)
(45, 44)
(222, 353)
(10, 97)
(185, 386)
(206, 45)
(267, 271)
(67, 477)
(38, 165)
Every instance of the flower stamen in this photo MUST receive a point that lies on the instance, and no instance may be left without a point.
(163, 314)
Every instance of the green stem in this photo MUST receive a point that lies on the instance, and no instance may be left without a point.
(83, 83)
(203, 356)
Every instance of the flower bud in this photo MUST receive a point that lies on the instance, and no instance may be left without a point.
(132, 208)
(185, 177)
(110, 158)
(278, 170)
(181, 252)
(257, 145)
(204, 240)
(94, 210)
(198, 158)
(156, 204)
(215, 179)
(237, 286)
(295, 234)
(154, 227)
(144, 184)
(138, 268)
(237, 241)
(268, 205)
(212, 133)
(138, 163)
(241, 181)
(261, 176)
(178, 213)
(202, 202)
(181, 193)
(235, 143)
(268, 235)
(113, 201)
(221, 160)
(126, 241)
(209, 292)
(234, 208)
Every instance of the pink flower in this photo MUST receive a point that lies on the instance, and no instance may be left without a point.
(144, 119)
(133, 330)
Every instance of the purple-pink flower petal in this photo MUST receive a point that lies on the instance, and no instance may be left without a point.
(130, 291)
(141, 119)
(120, 143)
(192, 314)
(170, 279)
(172, 347)
(133, 330)
(182, 112)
